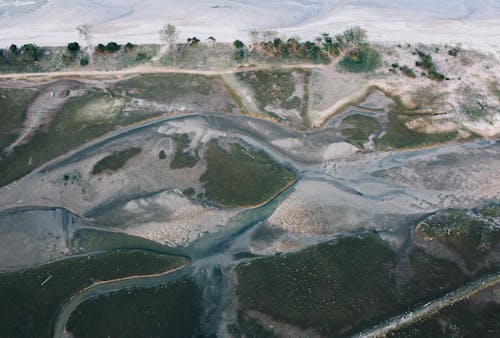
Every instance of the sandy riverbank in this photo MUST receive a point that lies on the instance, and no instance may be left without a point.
(53, 22)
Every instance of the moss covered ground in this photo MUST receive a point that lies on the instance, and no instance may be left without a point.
(242, 176)
(31, 298)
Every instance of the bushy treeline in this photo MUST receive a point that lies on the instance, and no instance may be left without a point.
(26, 55)
(427, 64)
(318, 51)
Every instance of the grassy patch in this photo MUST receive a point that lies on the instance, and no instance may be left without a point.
(183, 158)
(490, 211)
(92, 240)
(29, 306)
(332, 287)
(13, 103)
(162, 155)
(80, 120)
(398, 135)
(189, 192)
(407, 71)
(273, 87)
(433, 277)
(171, 310)
(469, 237)
(357, 128)
(115, 161)
(427, 64)
(241, 176)
(165, 88)
(472, 317)
(361, 59)
(495, 89)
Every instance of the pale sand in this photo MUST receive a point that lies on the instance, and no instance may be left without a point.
(53, 23)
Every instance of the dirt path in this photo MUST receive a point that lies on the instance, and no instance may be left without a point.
(432, 307)
(145, 69)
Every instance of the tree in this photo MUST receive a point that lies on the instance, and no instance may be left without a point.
(84, 62)
(29, 53)
(193, 41)
(129, 47)
(169, 35)
(254, 36)
(354, 36)
(13, 49)
(100, 48)
(73, 47)
(269, 35)
(238, 44)
(112, 47)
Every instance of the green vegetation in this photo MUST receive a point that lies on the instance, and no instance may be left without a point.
(73, 47)
(31, 298)
(162, 155)
(189, 192)
(398, 135)
(407, 71)
(20, 59)
(92, 240)
(84, 62)
(273, 87)
(453, 52)
(75, 124)
(474, 109)
(242, 176)
(238, 44)
(361, 59)
(463, 233)
(492, 210)
(427, 64)
(171, 310)
(110, 47)
(495, 89)
(432, 278)
(478, 316)
(340, 288)
(72, 178)
(334, 288)
(14, 103)
(115, 161)
(183, 158)
(194, 41)
(129, 47)
(165, 88)
(357, 128)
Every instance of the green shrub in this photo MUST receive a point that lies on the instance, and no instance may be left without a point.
(84, 62)
(361, 59)
(427, 64)
(112, 47)
(115, 161)
(73, 47)
(129, 47)
(100, 48)
(239, 54)
(407, 71)
(194, 41)
(141, 57)
(238, 44)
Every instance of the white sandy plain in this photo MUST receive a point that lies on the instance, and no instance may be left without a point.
(53, 22)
